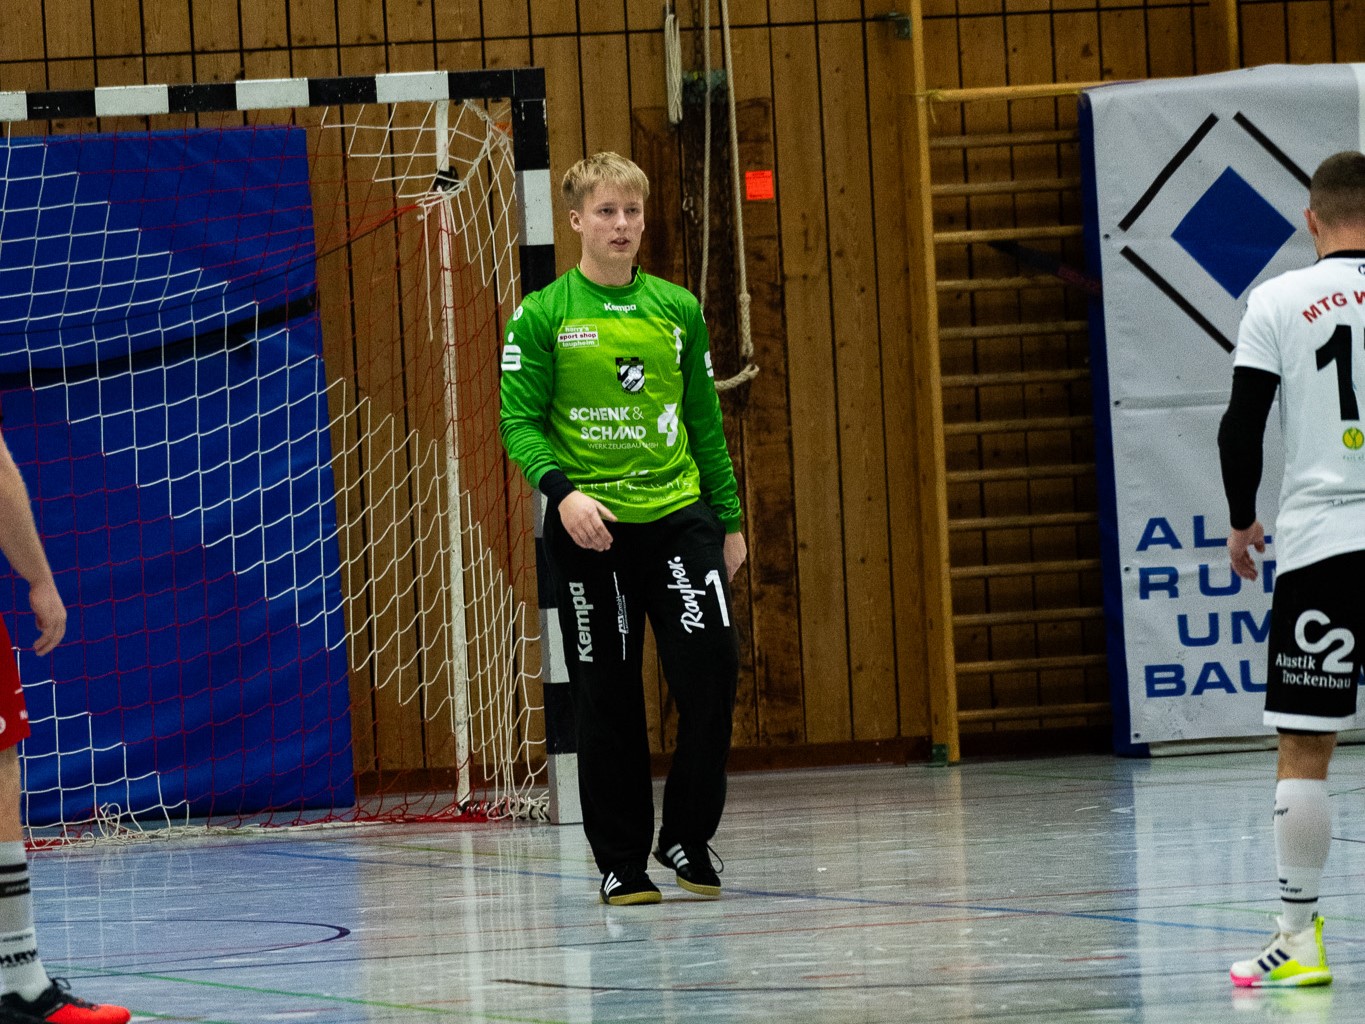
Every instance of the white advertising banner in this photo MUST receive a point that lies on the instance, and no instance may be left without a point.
(1196, 191)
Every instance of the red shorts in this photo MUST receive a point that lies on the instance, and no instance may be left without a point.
(13, 714)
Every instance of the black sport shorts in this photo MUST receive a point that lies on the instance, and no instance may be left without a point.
(1317, 626)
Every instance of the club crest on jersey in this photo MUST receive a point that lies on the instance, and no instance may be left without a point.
(630, 371)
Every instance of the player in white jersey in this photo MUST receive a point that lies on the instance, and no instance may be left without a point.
(1304, 334)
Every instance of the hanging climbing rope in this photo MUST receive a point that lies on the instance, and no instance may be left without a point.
(673, 74)
(742, 298)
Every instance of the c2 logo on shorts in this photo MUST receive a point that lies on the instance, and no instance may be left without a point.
(1340, 638)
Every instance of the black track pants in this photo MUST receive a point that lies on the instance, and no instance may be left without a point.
(672, 571)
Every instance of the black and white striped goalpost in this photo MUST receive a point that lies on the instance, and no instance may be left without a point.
(525, 88)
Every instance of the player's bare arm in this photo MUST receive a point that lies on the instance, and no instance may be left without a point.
(21, 545)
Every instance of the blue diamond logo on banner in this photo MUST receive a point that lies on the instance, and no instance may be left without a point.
(1232, 232)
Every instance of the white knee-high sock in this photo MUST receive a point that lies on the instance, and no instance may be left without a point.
(1303, 833)
(20, 968)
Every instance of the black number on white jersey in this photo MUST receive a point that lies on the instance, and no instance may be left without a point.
(1338, 350)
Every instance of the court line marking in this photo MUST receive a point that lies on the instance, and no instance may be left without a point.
(843, 900)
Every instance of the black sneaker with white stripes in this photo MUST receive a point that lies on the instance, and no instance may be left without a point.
(628, 885)
(691, 864)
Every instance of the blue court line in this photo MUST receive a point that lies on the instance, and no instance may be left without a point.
(1093, 916)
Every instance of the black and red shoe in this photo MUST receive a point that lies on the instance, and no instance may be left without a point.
(56, 1005)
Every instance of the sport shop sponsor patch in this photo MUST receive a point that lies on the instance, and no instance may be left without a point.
(630, 371)
(578, 336)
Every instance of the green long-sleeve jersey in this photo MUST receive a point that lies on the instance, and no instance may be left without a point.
(614, 386)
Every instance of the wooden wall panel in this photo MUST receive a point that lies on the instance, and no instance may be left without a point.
(363, 25)
(408, 21)
(1308, 43)
(607, 17)
(553, 18)
(858, 375)
(606, 124)
(790, 12)
(641, 15)
(118, 33)
(1209, 42)
(810, 372)
(70, 30)
(213, 27)
(265, 24)
(896, 393)
(1348, 30)
(312, 24)
(773, 678)
(830, 603)
(1170, 42)
(1123, 45)
(216, 43)
(503, 20)
(772, 681)
(456, 19)
(24, 41)
(1263, 34)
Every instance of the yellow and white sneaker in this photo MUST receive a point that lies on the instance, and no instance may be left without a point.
(1291, 959)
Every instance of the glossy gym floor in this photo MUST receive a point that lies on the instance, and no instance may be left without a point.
(1071, 889)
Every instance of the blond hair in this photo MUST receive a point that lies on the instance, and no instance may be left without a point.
(602, 169)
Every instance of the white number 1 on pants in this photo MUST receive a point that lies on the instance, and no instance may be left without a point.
(714, 577)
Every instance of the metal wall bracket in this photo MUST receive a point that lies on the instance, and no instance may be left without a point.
(901, 22)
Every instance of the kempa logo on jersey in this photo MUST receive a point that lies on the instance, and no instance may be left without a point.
(691, 617)
(612, 307)
(581, 608)
(578, 336)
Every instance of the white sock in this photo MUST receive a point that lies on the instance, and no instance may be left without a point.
(1303, 833)
(20, 968)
